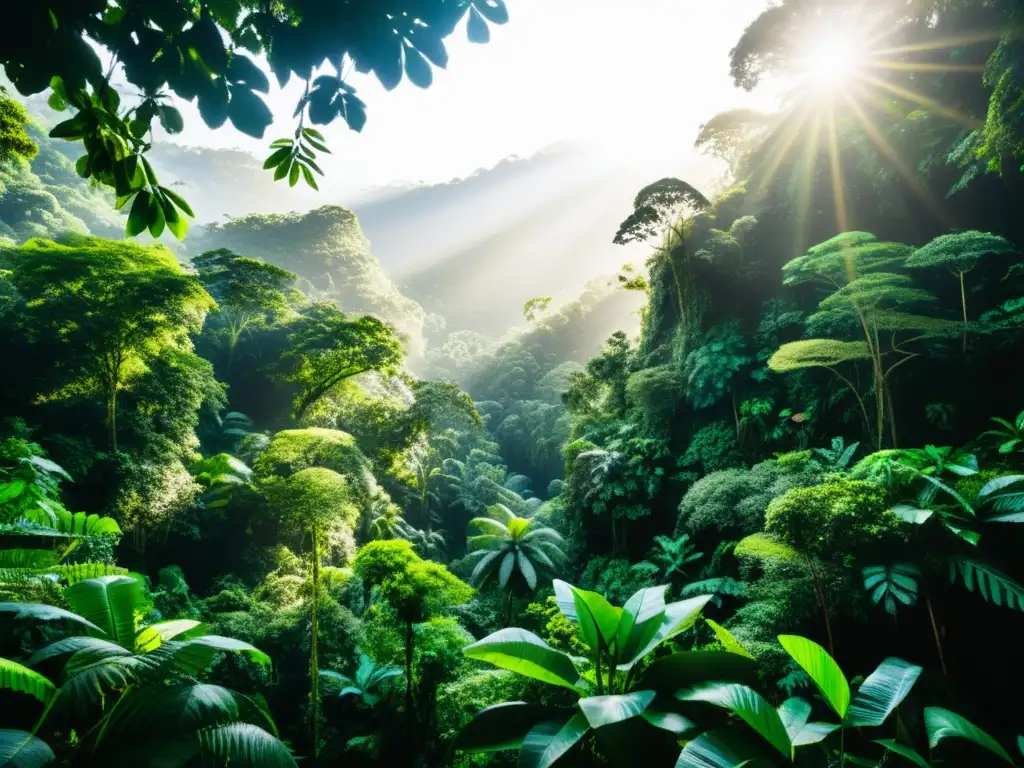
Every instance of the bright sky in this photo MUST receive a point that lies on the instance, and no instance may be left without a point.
(635, 78)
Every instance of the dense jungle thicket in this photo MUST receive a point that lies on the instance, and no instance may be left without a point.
(754, 501)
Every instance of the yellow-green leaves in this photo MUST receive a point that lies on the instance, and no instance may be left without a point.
(821, 668)
(520, 651)
(17, 677)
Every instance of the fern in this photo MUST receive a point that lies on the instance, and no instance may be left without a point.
(994, 586)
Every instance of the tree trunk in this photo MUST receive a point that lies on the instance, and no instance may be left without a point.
(508, 610)
(963, 306)
(112, 416)
(314, 649)
(408, 670)
(935, 632)
(824, 606)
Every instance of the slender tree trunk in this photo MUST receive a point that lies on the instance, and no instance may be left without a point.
(892, 415)
(508, 610)
(112, 417)
(824, 606)
(963, 306)
(408, 670)
(736, 418)
(935, 632)
(314, 650)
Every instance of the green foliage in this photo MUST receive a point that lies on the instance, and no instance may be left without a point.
(1011, 435)
(839, 516)
(735, 500)
(712, 448)
(326, 348)
(226, 81)
(149, 304)
(714, 364)
(505, 543)
(15, 142)
(656, 207)
(959, 252)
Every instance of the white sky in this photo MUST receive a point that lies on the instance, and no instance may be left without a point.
(635, 78)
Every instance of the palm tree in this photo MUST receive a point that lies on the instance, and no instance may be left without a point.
(387, 521)
(142, 681)
(371, 682)
(506, 544)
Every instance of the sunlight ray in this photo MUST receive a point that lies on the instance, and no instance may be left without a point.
(838, 191)
(806, 187)
(910, 66)
(893, 157)
(932, 104)
(981, 36)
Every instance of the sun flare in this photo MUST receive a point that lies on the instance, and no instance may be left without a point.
(833, 61)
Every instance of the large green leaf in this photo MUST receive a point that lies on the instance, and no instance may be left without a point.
(641, 618)
(725, 637)
(903, 751)
(501, 727)
(678, 618)
(194, 656)
(43, 612)
(109, 602)
(682, 670)
(812, 733)
(526, 654)
(184, 708)
(794, 713)
(245, 744)
(17, 677)
(666, 720)
(720, 748)
(597, 619)
(882, 692)
(942, 724)
(150, 638)
(85, 650)
(548, 741)
(749, 705)
(606, 710)
(19, 749)
(821, 668)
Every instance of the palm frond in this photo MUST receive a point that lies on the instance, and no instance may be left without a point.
(993, 586)
(20, 749)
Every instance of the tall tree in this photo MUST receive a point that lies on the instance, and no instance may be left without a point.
(313, 501)
(326, 348)
(109, 306)
(249, 293)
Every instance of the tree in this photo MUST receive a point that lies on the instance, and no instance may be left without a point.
(249, 293)
(414, 587)
(326, 348)
(657, 212)
(730, 134)
(198, 51)
(314, 501)
(505, 543)
(14, 140)
(960, 252)
(108, 306)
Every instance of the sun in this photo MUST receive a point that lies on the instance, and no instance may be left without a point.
(833, 61)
